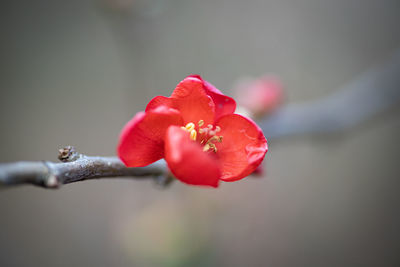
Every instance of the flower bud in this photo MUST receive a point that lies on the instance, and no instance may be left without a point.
(259, 97)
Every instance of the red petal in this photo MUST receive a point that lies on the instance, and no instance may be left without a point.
(192, 101)
(187, 161)
(160, 101)
(142, 139)
(190, 98)
(242, 149)
(223, 104)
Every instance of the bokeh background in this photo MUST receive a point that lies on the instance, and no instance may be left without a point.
(73, 72)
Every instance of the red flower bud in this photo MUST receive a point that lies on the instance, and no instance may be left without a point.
(260, 96)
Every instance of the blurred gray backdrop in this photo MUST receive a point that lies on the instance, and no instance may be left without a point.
(73, 72)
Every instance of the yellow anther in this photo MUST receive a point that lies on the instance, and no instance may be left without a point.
(210, 146)
(190, 126)
(208, 136)
(215, 138)
(193, 135)
(213, 147)
(206, 147)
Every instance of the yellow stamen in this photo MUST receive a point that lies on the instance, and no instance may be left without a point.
(215, 138)
(210, 146)
(206, 147)
(193, 135)
(208, 136)
(213, 147)
(190, 126)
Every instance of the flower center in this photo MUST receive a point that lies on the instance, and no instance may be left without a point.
(206, 136)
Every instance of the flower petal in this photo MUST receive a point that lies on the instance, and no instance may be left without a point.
(187, 161)
(243, 147)
(223, 104)
(142, 139)
(160, 101)
(192, 101)
(190, 98)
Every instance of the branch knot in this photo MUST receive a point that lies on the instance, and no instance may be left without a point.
(68, 154)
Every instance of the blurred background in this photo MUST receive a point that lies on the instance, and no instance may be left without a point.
(74, 72)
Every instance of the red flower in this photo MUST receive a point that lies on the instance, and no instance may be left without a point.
(197, 133)
(260, 96)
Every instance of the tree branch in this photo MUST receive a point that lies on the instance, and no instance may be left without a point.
(76, 167)
(372, 92)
